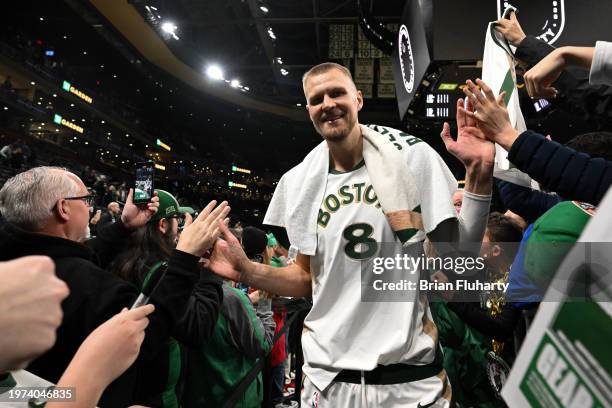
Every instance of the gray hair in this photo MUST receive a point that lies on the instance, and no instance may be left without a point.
(27, 199)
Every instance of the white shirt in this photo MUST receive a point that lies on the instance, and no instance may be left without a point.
(341, 331)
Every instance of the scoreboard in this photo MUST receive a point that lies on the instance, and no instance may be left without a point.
(437, 105)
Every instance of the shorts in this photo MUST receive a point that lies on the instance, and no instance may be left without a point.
(432, 392)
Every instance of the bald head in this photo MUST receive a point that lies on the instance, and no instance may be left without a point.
(113, 207)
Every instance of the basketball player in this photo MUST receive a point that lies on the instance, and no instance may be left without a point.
(365, 354)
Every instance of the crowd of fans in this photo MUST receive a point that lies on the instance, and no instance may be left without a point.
(71, 273)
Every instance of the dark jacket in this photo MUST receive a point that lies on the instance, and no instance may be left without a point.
(590, 102)
(526, 202)
(96, 295)
(571, 174)
(107, 218)
(162, 379)
(240, 337)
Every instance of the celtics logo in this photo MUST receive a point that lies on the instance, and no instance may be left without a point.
(544, 19)
(405, 58)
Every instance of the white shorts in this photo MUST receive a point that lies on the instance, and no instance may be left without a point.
(432, 392)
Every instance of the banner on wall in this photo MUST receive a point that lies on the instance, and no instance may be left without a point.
(341, 41)
(385, 73)
(364, 70)
(386, 91)
(366, 89)
(365, 49)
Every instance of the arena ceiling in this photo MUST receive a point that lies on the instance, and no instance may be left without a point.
(249, 42)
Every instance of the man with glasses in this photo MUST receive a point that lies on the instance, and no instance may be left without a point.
(47, 213)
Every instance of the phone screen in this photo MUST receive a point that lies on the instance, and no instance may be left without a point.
(143, 189)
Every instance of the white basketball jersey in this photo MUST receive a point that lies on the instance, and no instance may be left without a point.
(341, 331)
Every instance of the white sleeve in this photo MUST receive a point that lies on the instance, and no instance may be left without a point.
(473, 217)
(601, 67)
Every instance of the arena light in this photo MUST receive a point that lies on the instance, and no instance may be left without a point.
(160, 166)
(235, 83)
(214, 72)
(264, 9)
(170, 28)
(284, 72)
(271, 33)
(231, 184)
(241, 170)
(162, 145)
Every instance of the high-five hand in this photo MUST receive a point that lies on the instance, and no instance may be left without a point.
(490, 113)
(228, 259)
(471, 146)
(199, 236)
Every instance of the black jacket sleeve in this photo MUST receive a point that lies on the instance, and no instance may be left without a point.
(198, 323)
(571, 174)
(170, 299)
(529, 204)
(110, 241)
(97, 295)
(500, 328)
(577, 95)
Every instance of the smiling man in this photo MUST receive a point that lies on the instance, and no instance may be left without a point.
(364, 187)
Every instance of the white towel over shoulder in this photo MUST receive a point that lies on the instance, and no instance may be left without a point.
(411, 181)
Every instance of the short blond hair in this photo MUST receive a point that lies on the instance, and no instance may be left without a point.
(323, 68)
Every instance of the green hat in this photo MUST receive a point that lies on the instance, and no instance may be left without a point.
(553, 235)
(187, 210)
(168, 206)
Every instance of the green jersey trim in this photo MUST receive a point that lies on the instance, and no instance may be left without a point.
(357, 166)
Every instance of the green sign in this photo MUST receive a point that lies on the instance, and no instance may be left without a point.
(57, 119)
(447, 86)
(565, 360)
(66, 86)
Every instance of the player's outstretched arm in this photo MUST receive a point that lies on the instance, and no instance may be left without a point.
(229, 261)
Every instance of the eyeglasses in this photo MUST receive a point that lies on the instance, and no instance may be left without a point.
(180, 218)
(89, 199)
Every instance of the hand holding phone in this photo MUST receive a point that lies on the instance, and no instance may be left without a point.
(136, 216)
(143, 186)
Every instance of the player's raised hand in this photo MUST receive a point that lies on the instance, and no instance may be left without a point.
(228, 259)
(471, 146)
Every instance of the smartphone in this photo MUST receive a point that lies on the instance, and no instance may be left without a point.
(143, 188)
(152, 280)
